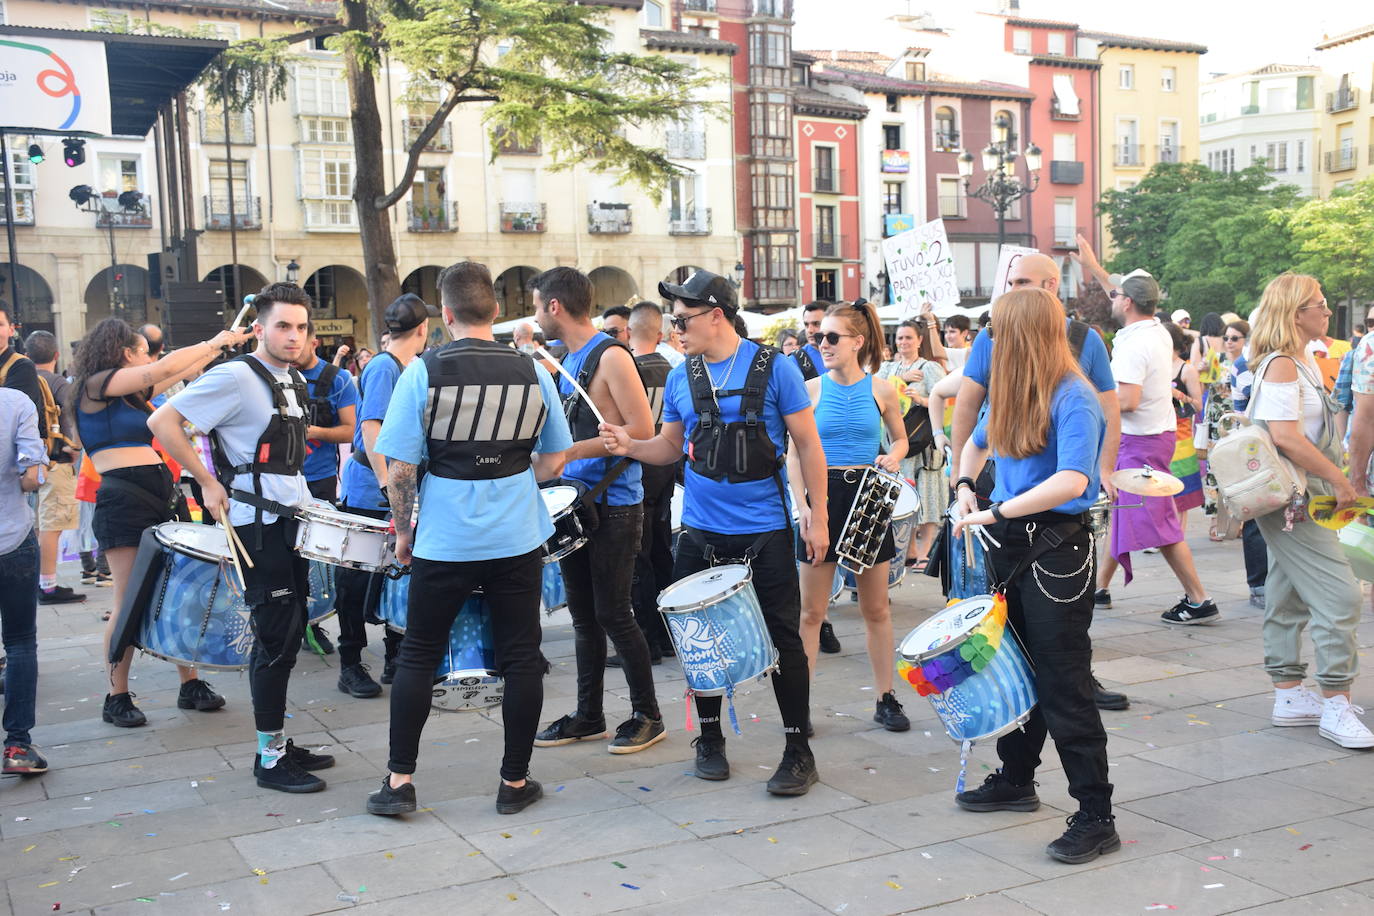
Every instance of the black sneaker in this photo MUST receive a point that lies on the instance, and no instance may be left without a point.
(59, 594)
(711, 763)
(199, 695)
(1186, 614)
(1107, 699)
(1102, 598)
(510, 800)
(667, 650)
(388, 672)
(286, 776)
(568, 729)
(829, 643)
(889, 714)
(390, 802)
(796, 774)
(636, 733)
(355, 681)
(1088, 836)
(307, 759)
(21, 759)
(104, 578)
(88, 577)
(317, 640)
(997, 793)
(120, 710)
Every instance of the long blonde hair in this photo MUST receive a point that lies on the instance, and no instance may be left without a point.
(1031, 358)
(1275, 327)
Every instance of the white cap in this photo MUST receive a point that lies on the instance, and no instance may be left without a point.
(1180, 315)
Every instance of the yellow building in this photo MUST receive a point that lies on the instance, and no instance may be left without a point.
(1147, 105)
(289, 165)
(1347, 127)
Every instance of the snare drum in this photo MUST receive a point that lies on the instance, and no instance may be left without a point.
(1099, 516)
(320, 607)
(968, 663)
(717, 628)
(568, 536)
(343, 539)
(904, 516)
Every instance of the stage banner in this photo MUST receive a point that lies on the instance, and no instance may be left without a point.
(53, 85)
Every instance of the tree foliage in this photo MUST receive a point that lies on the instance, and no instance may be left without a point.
(1333, 239)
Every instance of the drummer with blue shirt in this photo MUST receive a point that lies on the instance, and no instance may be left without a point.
(735, 507)
(488, 422)
(1045, 429)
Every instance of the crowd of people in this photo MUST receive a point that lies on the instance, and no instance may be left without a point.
(453, 443)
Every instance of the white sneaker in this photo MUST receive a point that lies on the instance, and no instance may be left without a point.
(1298, 706)
(1341, 725)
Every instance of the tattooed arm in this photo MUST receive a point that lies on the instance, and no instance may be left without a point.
(401, 491)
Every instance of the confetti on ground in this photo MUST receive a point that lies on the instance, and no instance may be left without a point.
(512, 897)
(1304, 847)
(329, 810)
(645, 789)
(1161, 906)
(194, 784)
(933, 769)
(1215, 858)
(68, 858)
(1235, 853)
(392, 855)
(115, 887)
(150, 834)
(348, 898)
(505, 836)
(537, 831)
(475, 852)
(472, 740)
(259, 871)
(632, 887)
(926, 855)
(772, 839)
(894, 885)
(560, 788)
(31, 848)
(145, 899)
(1292, 831)
(1208, 887)
(618, 864)
(49, 884)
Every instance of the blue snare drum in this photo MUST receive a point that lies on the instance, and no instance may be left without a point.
(466, 677)
(320, 607)
(717, 627)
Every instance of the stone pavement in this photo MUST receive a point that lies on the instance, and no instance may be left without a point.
(1218, 811)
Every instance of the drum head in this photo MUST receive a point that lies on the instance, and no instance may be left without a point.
(328, 513)
(558, 499)
(204, 541)
(946, 629)
(704, 589)
(908, 502)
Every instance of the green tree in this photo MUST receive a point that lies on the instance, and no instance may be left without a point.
(1333, 239)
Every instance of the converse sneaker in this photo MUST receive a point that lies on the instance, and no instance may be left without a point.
(120, 710)
(796, 774)
(998, 793)
(830, 643)
(286, 776)
(711, 763)
(1102, 598)
(390, 802)
(889, 714)
(199, 695)
(23, 760)
(636, 733)
(356, 682)
(1296, 706)
(567, 729)
(510, 800)
(59, 594)
(307, 759)
(1186, 614)
(1339, 723)
(1088, 836)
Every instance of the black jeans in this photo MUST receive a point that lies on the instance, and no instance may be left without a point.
(1256, 554)
(437, 592)
(326, 488)
(19, 630)
(276, 590)
(775, 582)
(654, 562)
(1055, 637)
(597, 578)
(357, 595)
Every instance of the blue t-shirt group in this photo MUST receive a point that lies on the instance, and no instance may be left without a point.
(378, 379)
(628, 488)
(323, 460)
(1093, 358)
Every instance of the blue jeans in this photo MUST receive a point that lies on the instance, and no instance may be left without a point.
(19, 628)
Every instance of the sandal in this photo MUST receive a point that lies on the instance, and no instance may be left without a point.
(918, 566)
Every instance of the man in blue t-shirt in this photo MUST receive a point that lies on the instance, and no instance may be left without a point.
(364, 477)
(735, 502)
(811, 322)
(481, 525)
(598, 577)
(333, 416)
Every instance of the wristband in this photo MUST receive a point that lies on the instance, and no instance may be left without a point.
(964, 480)
(996, 510)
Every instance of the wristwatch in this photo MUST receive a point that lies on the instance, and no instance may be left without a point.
(996, 510)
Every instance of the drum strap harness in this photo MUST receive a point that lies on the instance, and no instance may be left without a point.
(583, 425)
(360, 453)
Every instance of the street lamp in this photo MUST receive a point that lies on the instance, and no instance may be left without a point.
(737, 275)
(293, 270)
(1002, 186)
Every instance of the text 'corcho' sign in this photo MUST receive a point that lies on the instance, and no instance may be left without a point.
(334, 327)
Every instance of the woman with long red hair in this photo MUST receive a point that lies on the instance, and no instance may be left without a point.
(1045, 430)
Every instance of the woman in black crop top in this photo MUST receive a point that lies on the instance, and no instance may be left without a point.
(115, 379)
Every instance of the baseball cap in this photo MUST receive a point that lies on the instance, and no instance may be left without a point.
(1141, 287)
(406, 312)
(703, 287)
(1180, 315)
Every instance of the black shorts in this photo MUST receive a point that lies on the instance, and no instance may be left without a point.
(841, 497)
(129, 501)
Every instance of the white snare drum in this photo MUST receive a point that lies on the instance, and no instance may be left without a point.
(568, 536)
(342, 539)
(904, 516)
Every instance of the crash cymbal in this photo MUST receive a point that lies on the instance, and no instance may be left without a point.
(1146, 481)
(1322, 510)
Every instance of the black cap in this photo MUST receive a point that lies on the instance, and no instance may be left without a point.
(407, 312)
(705, 288)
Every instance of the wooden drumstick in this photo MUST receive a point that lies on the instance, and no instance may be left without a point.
(233, 554)
(571, 381)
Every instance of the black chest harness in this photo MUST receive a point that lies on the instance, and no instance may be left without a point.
(322, 412)
(653, 372)
(360, 453)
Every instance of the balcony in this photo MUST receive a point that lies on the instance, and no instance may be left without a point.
(1057, 115)
(827, 181)
(608, 219)
(947, 141)
(332, 214)
(507, 145)
(247, 214)
(1064, 171)
(440, 217)
(125, 219)
(686, 144)
(441, 142)
(23, 207)
(1342, 100)
(1341, 160)
(1169, 153)
(1066, 237)
(827, 248)
(954, 207)
(1128, 154)
(1249, 109)
(520, 216)
(691, 222)
(777, 9)
(700, 6)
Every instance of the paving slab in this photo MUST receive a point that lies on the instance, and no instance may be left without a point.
(1248, 754)
(574, 839)
(343, 836)
(798, 846)
(746, 806)
(1239, 806)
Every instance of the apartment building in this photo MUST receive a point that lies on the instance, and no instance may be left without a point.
(1271, 114)
(1347, 125)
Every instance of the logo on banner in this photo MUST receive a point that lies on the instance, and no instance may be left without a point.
(55, 83)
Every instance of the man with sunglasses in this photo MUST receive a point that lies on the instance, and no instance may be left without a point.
(811, 321)
(731, 409)
(615, 323)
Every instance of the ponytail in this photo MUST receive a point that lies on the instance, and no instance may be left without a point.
(862, 319)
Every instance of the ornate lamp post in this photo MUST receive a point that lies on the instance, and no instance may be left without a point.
(1002, 186)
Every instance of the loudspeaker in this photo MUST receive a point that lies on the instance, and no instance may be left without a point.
(163, 267)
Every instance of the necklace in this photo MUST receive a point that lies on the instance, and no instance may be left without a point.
(730, 367)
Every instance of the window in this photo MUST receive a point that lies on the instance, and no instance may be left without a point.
(1276, 155)
(1065, 103)
(1299, 156)
(108, 21)
(772, 186)
(770, 122)
(120, 173)
(22, 173)
(1021, 41)
(1276, 99)
(915, 70)
(824, 177)
(1305, 93)
(1005, 115)
(1126, 77)
(1065, 148)
(1250, 91)
(892, 196)
(325, 130)
(212, 125)
(952, 200)
(321, 90)
(1168, 78)
(893, 104)
(1056, 44)
(1128, 142)
(326, 186)
(1065, 225)
(892, 136)
(653, 14)
(825, 233)
(825, 285)
(224, 173)
(775, 266)
(946, 129)
(321, 43)
(1169, 134)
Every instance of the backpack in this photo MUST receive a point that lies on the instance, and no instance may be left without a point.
(50, 429)
(1253, 478)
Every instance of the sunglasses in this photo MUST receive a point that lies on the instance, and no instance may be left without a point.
(1233, 338)
(832, 338)
(1115, 294)
(611, 332)
(681, 323)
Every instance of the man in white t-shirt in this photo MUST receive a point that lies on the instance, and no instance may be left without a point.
(1142, 363)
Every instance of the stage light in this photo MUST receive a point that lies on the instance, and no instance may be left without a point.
(82, 194)
(73, 151)
(35, 153)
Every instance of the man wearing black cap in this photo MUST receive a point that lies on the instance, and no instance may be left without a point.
(363, 485)
(731, 408)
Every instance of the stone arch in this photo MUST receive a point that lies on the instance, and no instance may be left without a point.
(34, 308)
(120, 291)
(513, 292)
(611, 286)
(249, 282)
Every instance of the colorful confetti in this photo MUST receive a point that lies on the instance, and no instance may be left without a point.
(894, 885)
(632, 887)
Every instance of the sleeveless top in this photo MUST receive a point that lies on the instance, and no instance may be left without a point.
(848, 421)
(115, 425)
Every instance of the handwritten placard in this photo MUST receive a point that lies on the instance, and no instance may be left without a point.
(920, 268)
(1006, 260)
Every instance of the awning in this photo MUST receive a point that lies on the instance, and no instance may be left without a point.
(1064, 94)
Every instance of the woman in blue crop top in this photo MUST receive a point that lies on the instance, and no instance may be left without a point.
(851, 412)
(115, 379)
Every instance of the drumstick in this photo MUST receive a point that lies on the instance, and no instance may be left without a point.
(238, 321)
(233, 538)
(233, 555)
(571, 381)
